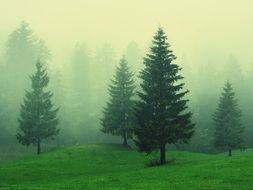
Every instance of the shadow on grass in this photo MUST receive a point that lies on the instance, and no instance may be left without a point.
(156, 162)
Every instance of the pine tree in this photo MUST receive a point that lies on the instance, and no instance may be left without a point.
(38, 118)
(134, 56)
(21, 51)
(227, 118)
(118, 117)
(161, 110)
(105, 60)
(103, 63)
(81, 84)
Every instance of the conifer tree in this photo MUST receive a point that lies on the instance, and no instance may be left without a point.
(21, 51)
(38, 118)
(118, 117)
(161, 112)
(227, 118)
(81, 83)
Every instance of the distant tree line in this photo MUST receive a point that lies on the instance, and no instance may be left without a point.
(151, 107)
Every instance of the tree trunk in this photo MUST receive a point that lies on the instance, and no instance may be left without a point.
(229, 152)
(162, 155)
(125, 138)
(38, 146)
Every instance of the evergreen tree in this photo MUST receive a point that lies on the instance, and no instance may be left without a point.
(227, 118)
(103, 64)
(118, 114)
(80, 68)
(232, 71)
(161, 110)
(21, 51)
(134, 56)
(23, 47)
(104, 61)
(38, 118)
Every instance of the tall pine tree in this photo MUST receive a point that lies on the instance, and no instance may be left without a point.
(227, 118)
(38, 118)
(118, 117)
(161, 110)
(21, 51)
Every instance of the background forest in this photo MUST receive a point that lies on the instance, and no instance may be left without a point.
(81, 50)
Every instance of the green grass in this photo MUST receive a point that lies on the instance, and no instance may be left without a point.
(94, 167)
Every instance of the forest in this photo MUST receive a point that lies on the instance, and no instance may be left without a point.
(116, 93)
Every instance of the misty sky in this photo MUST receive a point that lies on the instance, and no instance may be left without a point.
(202, 30)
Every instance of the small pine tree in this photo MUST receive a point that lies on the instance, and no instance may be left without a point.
(227, 118)
(37, 119)
(118, 114)
(161, 110)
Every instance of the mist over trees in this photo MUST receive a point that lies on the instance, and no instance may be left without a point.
(106, 94)
(80, 86)
(23, 48)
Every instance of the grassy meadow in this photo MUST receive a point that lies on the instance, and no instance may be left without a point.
(114, 167)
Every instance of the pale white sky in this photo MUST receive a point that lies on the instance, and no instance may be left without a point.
(204, 30)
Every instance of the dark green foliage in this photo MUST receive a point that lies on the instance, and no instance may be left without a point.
(228, 127)
(37, 119)
(118, 117)
(21, 51)
(161, 110)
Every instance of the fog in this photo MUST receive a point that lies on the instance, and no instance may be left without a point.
(212, 41)
(200, 29)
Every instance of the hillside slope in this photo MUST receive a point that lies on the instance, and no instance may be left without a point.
(94, 167)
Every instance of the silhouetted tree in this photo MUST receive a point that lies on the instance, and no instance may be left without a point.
(134, 56)
(118, 114)
(80, 93)
(22, 49)
(80, 64)
(38, 118)
(228, 127)
(104, 60)
(232, 71)
(80, 68)
(103, 63)
(206, 104)
(161, 110)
